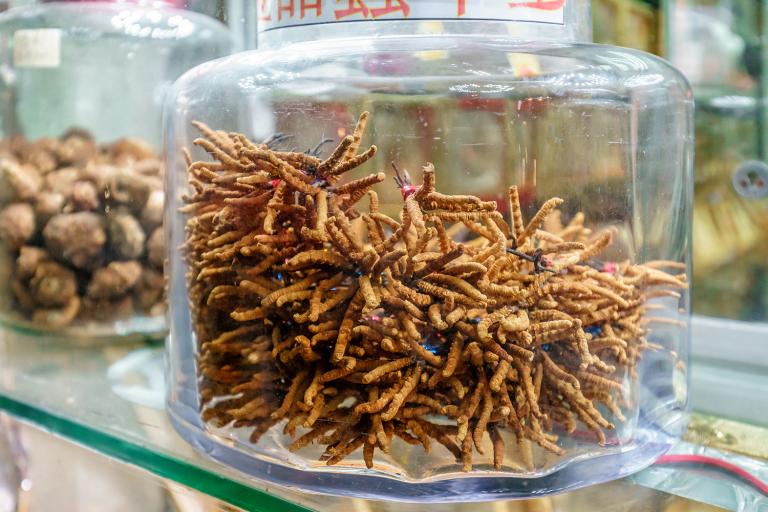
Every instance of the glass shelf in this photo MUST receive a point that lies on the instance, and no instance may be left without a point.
(110, 399)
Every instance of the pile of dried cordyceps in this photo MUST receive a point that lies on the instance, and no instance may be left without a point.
(83, 225)
(359, 328)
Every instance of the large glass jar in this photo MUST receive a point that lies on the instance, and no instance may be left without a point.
(418, 254)
(82, 87)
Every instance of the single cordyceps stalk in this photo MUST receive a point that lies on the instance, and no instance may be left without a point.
(446, 325)
(404, 182)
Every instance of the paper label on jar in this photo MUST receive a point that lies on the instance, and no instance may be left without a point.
(37, 48)
(275, 14)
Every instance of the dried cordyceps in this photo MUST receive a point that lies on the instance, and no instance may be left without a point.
(82, 223)
(446, 325)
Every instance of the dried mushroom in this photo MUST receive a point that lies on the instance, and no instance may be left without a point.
(76, 218)
(126, 236)
(17, 224)
(52, 285)
(76, 238)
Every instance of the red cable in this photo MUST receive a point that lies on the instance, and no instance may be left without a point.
(716, 463)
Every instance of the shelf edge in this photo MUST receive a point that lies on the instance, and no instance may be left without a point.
(239, 495)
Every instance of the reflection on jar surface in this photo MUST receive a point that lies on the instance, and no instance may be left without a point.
(82, 206)
(436, 267)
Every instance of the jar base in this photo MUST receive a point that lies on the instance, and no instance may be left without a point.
(355, 483)
(135, 330)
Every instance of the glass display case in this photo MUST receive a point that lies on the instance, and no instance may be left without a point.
(720, 47)
(82, 86)
(430, 259)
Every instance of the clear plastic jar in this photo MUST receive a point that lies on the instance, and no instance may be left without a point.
(83, 84)
(507, 317)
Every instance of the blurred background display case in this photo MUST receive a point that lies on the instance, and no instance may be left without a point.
(630, 23)
(720, 47)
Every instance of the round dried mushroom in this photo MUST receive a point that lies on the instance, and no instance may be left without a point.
(84, 196)
(29, 259)
(42, 159)
(130, 189)
(78, 238)
(47, 205)
(115, 280)
(156, 248)
(19, 182)
(53, 285)
(152, 214)
(62, 180)
(76, 147)
(17, 224)
(126, 236)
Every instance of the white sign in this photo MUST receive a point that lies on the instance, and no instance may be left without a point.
(289, 13)
(38, 48)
